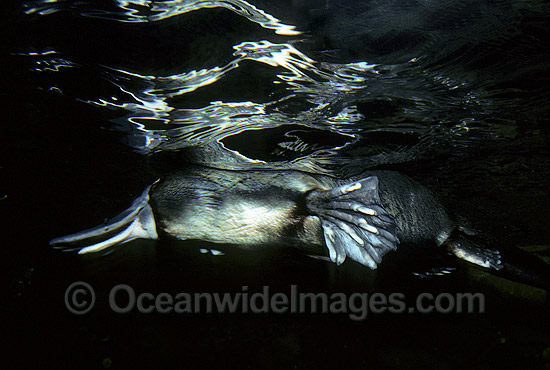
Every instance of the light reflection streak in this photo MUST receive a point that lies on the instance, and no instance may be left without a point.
(52, 64)
(148, 106)
(151, 11)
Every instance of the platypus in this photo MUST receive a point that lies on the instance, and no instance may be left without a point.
(363, 217)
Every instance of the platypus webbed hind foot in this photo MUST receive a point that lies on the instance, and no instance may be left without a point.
(354, 222)
(136, 222)
(510, 263)
(465, 249)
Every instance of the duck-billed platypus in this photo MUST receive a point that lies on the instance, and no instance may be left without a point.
(363, 217)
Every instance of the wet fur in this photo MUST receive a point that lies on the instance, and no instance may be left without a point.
(188, 203)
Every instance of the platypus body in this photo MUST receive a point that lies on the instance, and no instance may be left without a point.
(363, 217)
(370, 213)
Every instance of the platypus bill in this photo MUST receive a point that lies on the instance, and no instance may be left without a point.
(362, 218)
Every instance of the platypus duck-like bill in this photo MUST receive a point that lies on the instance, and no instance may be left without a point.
(136, 222)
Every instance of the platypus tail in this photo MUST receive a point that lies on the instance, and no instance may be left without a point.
(509, 263)
(136, 222)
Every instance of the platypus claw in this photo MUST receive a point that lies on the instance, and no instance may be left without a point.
(354, 222)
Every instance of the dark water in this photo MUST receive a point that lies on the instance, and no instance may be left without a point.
(101, 99)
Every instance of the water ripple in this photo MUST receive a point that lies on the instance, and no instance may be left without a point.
(152, 11)
(183, 127)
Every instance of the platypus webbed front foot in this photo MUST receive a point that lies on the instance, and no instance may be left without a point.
(354, 222)
(137, 221)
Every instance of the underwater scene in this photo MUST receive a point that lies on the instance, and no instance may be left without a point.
(295, 184)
